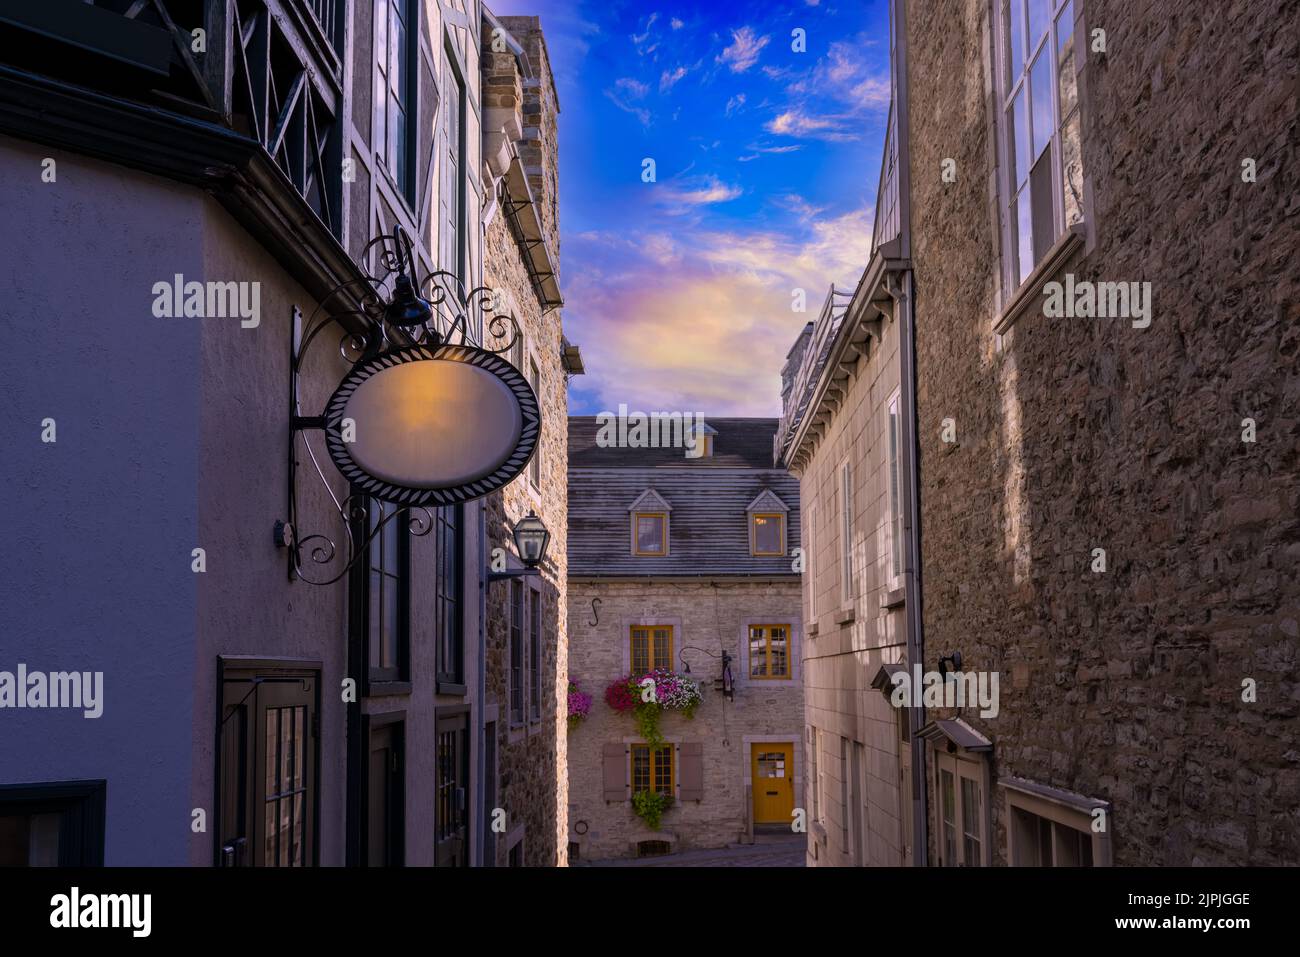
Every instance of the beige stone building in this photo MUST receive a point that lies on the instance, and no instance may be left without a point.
(1100, 499)
(842, 436)
(676, 562)
(526, 643)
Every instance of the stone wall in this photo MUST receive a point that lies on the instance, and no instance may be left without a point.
(851, 634)
(532, 787)
(705, 615)
(1080, 434)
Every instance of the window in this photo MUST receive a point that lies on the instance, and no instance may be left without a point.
(768, 533)
(845, 846)
(394, 91)
(895, 492)
(516, 652)
(846, 533)
(535, 465)
(451, 787)
(1042, 179)
(386, 595)
(267, 778)
(961, 812)
(535, 655)
(815, 775)
(59, 824)
(1047, 827)
(449, 577)
(769, 651)
(650, 533)
(809, 535)
(452, 195)
(384, 830)
(652, 769)
(652, 647)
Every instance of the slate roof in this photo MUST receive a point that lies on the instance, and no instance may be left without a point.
(708, 531)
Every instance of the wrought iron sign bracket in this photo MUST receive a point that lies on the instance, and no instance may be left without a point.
(395, 319)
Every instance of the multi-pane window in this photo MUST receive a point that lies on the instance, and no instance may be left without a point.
(809, 534)
(768, 533)
(1042, 182)
(387, 591)
(652, 769)
(652, 647)
(448, 580)
(815, 774)
(895, 492)
(1042, 842)
(961, 812)
(845, 840)
(846, 532)
(535, 655)
(267, 777)
(769, 651)
(516, 652)
(650, 533)
(453, 191)
(394, 90)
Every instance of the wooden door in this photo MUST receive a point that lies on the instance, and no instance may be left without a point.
(772, 771)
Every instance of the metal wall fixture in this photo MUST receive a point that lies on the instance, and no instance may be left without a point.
(427, 415)
(531, 540)
(725, 682)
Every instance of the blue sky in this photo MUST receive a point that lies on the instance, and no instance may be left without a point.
(766, 159)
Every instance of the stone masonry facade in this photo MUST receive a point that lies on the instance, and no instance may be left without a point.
(711, 615)
(1125, 685)
(529, 752)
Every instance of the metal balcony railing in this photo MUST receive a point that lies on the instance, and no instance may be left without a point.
(888, 224)
(811, 365)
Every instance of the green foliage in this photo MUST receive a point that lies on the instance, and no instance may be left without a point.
(650, 806)
(647, 714)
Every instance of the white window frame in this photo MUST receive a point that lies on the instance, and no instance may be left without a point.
(970, 770)
(846, 533)
(894, 458)
(808, 538)
(1073, 814)
(1004, 97)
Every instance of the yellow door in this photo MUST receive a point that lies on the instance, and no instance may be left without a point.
(772, 767)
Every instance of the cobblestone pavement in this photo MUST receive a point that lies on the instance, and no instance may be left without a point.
(784, 851)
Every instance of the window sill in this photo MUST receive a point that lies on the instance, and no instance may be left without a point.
(812, 630)
(818, 833)
(845, 616)
(894, 598)
(451, 687)
(1065, 247)
(379, 689)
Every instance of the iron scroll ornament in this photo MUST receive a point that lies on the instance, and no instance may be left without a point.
(375, 335)
(513, 464)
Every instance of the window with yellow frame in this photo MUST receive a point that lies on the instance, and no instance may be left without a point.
(650, 533)
(767, 533)
(652, 769)
(769, 652)
(652, 647)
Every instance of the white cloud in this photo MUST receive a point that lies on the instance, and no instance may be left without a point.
(735, 103)
(796, 123)
(701, 191)
(625, 90)
(676, 24)
(670, 78)
(744, 49)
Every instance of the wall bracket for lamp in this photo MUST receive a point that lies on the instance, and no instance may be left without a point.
(389, 318)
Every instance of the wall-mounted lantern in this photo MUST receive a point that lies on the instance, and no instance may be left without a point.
(531, 540)
(724, 682)
(425, 417)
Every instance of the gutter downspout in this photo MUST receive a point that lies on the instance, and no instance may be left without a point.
(912, 582)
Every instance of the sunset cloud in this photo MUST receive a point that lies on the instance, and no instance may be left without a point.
(744, 49)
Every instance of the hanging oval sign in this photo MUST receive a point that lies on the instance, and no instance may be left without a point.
(432, 426)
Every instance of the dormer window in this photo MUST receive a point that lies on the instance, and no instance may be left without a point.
(769, 533)
(767, 525)
(700, 441)
(649, 520)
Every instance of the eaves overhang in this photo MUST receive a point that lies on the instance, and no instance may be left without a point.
(862, 321)
(526, 224)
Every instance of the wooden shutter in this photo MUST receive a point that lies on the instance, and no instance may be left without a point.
(614, 761)
(690, 763)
